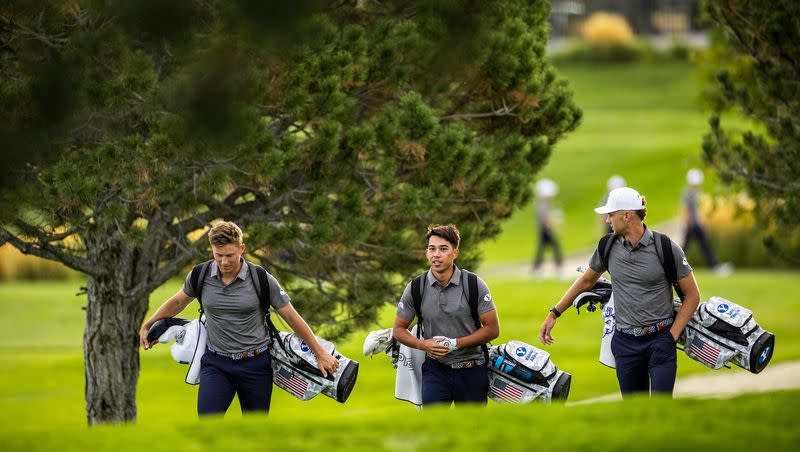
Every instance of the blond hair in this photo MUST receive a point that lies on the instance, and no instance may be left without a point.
(225, 233)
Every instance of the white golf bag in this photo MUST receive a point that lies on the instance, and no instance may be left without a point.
(295, 370)
(522, 373)
(722, 331)
(719, 332)
(518, 372)
(294, 365)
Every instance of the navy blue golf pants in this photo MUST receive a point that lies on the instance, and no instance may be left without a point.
(646, 362)
(222, 377)
(441, 384)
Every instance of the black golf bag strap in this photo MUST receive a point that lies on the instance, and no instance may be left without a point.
(197, 279)
(667, 257)
(417, 290)
(604, 248)
(471, 287)
(263, 288)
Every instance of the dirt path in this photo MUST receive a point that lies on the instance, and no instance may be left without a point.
(726, 383)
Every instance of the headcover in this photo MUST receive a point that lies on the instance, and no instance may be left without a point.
(190, 342)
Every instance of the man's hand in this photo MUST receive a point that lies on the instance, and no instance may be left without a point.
(448, 342)
(143, 338)
(433, 348)
(675, 336)
(547, 327)
(327, 364)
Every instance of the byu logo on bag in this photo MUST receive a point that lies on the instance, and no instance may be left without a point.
(764, 355)
(521, 351)
(723, 308)
(304, 347)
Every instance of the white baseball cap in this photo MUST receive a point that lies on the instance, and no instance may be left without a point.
(623, 198)
(546, 188)
(615, 181)
(694, 176)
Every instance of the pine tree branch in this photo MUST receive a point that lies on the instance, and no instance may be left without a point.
(167, 271)
(46, 250)
(504, 111)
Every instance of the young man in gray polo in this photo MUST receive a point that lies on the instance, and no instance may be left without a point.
(237, 360)
(646, 327)
(455, 367)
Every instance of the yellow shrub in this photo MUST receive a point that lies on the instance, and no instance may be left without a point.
(607, 30)
(15, 265)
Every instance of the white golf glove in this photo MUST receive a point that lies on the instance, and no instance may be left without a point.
(447, 342)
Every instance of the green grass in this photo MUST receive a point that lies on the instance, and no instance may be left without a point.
(41, 383)
(641, 121)
(655, 424)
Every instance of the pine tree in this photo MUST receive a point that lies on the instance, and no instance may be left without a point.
(755, 59)
(332, 132)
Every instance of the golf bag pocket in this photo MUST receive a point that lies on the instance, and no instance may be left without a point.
(525, 362)
(706, 350)
(503, 388)
(295, 369)
(727, 319)
(521, 373)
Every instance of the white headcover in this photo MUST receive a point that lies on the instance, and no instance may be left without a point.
(377, 342)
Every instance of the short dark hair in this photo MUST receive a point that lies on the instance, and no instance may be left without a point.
(643, 212)
(448, 232)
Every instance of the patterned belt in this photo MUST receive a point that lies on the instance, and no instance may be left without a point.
(642, 330)
(240, 355)
(468, 364)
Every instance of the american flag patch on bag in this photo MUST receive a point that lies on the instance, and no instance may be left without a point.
(704, 351)
(292, 383)
(504, 390)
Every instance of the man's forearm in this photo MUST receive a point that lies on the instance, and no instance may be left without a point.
(685, 313)
(480, 336)
(580, 285)
(403, 336)
(170, 308)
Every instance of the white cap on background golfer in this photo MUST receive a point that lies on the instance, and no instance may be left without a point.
(694, 177)
(623, 198)
(615, 181)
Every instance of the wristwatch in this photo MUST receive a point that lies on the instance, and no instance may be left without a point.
(555, 312)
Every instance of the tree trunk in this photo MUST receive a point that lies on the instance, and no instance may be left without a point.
(111, 351)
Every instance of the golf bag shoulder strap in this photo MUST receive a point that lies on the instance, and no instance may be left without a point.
(417, 290)
(472, 298)
(263, 289)
(196, 279)
(667, 258)
(604, 248)
(472, 294)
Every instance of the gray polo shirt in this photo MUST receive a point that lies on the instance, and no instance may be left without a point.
(690, 200)
(445, 312)
(642, 294)
(234, 319)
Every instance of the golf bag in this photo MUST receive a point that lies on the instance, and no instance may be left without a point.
(722, 331)
(295, 370)
(719, 332)
(521, 373)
